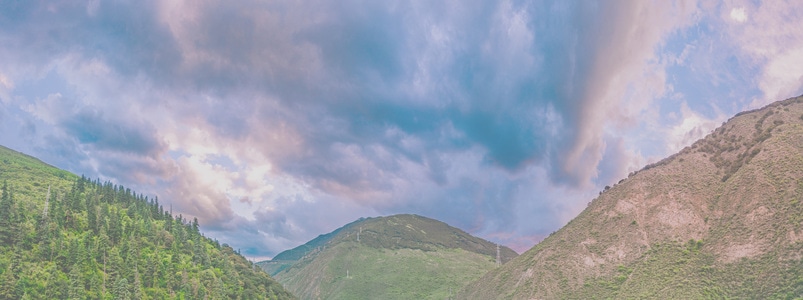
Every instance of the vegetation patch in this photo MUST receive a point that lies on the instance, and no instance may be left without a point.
(68, 237)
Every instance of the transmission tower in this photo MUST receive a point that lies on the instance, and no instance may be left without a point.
(498, 257)
(47, 202)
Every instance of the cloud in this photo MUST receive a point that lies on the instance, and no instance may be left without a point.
(5, 85)
(772, 43)
(273, 122)
(738, 14)
(291, 221)
(203, 41)
(93, 129)
(617, 162)
(690, 127)
(199, 190)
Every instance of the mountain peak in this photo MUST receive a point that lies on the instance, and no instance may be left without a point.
(407, 256)
(688, 226)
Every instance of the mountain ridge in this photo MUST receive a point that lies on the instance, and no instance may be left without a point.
(719, 219)
(394, 257)
(302, 250)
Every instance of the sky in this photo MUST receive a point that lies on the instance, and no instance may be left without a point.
(275, 121)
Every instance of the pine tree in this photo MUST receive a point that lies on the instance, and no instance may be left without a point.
(195, 227)
(8, 284)
(156, 209)
(115, 229)
(8, 218)
(120, 291)
(136, 288)
(151, 271)
(57, 286)
(92, 215)
(76, 290)
(74, 249)
(95, 286)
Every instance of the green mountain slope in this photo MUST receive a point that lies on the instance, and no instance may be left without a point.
(300, 251)
(287, 258)
(721, 219)
(395, 257)
(63, 236)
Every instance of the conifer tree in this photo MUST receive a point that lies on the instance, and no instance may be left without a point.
(120, 290)
(92, 215)
(76, 290)
(195, 227)
(8, 218)
(136, 288)
(8, 284)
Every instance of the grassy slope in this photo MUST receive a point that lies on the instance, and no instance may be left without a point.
(31, 177)
(384, 273)
(287, 258)
(60, 256)
(721, 219)
(300, 251)
(397, 257)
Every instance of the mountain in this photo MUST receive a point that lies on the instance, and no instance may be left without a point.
(64, 236)
(722, 218)
(287, 258)
(394, 257)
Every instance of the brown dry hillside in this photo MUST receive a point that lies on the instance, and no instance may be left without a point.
(720, 219)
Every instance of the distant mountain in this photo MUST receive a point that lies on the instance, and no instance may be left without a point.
(721, 219)
(395, 257)
(68, 237)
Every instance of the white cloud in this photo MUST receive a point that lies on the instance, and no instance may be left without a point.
(6, 85)
(692, 127)
(199, 189)
(773, 40)
(50, 109)
(738, 14)
(625, 78)
(783, 75)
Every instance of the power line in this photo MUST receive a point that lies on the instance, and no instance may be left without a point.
(498, 257)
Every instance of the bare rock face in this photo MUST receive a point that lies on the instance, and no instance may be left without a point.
(721, 218)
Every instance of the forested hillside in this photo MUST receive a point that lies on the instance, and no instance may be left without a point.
(62, 237)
